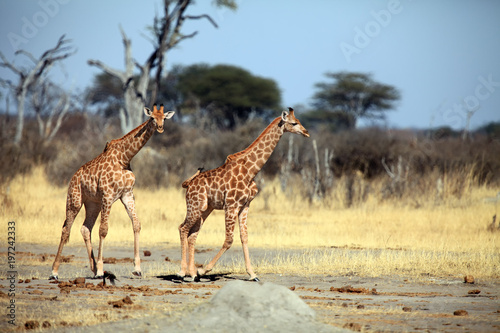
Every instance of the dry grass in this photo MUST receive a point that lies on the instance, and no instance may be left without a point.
(372, 238)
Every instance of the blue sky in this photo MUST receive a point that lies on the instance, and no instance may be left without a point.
(444, 56)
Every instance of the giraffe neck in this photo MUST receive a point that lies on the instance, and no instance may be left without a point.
(132, 142)
(256, 155)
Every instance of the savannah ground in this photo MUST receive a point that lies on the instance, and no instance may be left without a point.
(394, 265)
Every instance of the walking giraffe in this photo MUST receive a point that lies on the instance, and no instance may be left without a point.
(230, 187)
(102, 181)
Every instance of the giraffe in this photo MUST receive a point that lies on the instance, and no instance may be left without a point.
(102, 181)
(230, 187)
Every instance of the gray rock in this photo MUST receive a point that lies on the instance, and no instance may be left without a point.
(252, 307)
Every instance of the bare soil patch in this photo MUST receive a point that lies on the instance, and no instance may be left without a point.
(160, 298)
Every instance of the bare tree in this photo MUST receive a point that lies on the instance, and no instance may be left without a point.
(50, 103)
(32, 76)
(166, 35)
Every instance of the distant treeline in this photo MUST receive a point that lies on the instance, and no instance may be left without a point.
(403, 157)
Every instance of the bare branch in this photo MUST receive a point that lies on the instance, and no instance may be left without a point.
(387, 169)
(206, 16)
(5, 63)
(181, 38)
(27, 54)
(111, 71)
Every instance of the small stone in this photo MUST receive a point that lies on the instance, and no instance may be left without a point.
(46, 324)
(353, 327)
(469, 279)
(31, 324)
(147, 253)
(406, 309)
(127, 300)
(80, 280)
(474, 292)
(460, 313)
(361, 306)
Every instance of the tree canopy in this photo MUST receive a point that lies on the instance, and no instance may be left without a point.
(355, 94)
(227, 94)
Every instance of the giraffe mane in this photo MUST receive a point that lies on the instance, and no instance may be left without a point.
(234, 156)
(143, 129)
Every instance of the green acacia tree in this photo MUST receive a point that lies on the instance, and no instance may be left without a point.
(355, 94)
(226, 94)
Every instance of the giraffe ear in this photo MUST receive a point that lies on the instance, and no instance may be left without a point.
(169, 114)
(147, 112)
(284, 115)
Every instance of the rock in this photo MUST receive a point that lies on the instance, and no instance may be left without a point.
(353, 327)
(460, 313)
(147, 253)
(469, 279)
(474, 292)
(127, 300)
(31, 324)
(406, 309)
(263, 307)
(80, 280)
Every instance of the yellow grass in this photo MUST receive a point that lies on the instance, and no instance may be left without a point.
(449, 238)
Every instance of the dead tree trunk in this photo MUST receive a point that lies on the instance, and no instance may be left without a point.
(49, 114)
(317, 185)
(29, 78)
(286, 167)
(166, 35)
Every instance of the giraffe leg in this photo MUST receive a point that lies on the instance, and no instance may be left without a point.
(129, 203)
(231, 216)
(191, 241)
(193, 234)
(183, 234)
(103, 232)
(73, 206)
(92, 210)
(244, 241)
(188, 233)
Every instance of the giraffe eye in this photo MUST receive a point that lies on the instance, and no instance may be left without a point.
(293, 124)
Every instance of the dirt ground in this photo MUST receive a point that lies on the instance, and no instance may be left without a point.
(388, 304)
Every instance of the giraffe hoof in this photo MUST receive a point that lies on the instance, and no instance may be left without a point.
(188, 279)
(99, 276)
(255, 279)
(137, 273)
(54, 277)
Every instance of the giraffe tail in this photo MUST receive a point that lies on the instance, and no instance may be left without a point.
(185, 184)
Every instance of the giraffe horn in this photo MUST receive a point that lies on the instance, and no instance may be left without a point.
(161, 108)
(155, 109)
(290, 109)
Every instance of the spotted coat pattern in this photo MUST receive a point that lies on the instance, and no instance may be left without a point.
(230, 187)
(102, 181)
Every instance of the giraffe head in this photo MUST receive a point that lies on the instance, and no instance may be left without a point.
(292, 124)
(158, 116)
